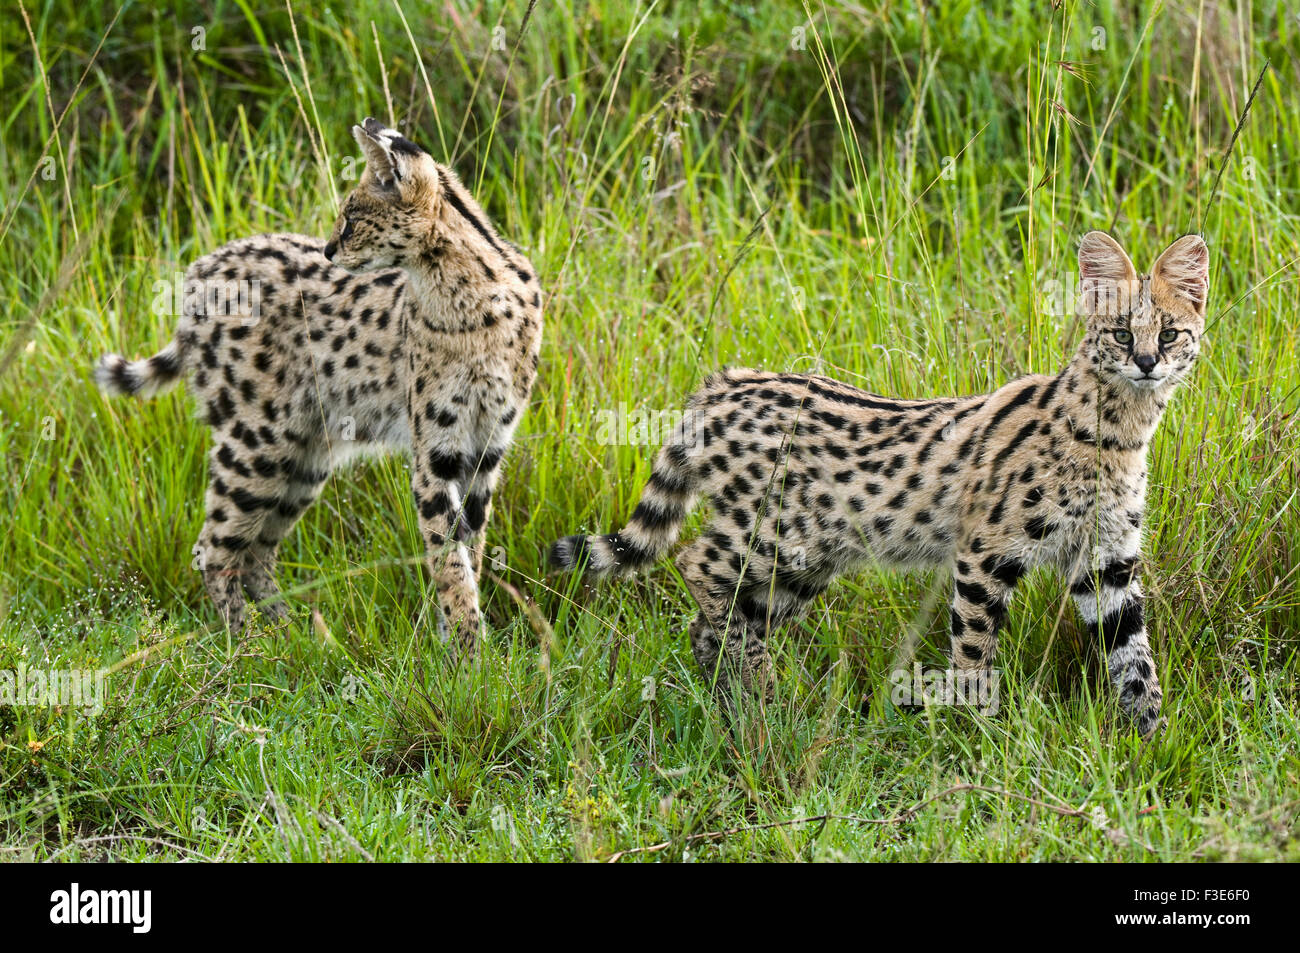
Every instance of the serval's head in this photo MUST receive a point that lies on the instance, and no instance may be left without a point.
(1144, 330)
(385, 221)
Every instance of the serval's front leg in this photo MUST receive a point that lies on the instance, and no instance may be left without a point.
(1110, 601)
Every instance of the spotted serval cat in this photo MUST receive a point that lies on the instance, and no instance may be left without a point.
(810, 477)
(415, 327)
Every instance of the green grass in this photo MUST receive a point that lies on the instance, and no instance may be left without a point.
(888, 203)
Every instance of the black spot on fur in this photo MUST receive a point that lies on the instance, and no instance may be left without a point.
(446, 466)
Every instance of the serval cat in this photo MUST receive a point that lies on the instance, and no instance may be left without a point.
(809, 477)
(415, 327)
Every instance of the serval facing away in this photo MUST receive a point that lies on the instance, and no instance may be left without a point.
(810, 477)
(415, 327)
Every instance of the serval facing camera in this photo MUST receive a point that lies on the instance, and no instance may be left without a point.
(415, 327)
(809, 478)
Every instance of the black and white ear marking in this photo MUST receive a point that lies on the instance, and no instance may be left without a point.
(379, 157)
(388, 152)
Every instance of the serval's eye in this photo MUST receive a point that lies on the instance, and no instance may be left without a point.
(1168, 336)
(347, 230)
(1123, 337)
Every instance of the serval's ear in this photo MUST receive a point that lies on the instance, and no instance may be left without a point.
(392, 159)
(1107, 279)
(1185, 268)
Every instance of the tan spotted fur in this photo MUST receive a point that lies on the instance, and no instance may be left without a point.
(415, 328)
(809, 478)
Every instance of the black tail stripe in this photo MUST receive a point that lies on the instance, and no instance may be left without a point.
(653, 517)
(629, 552)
